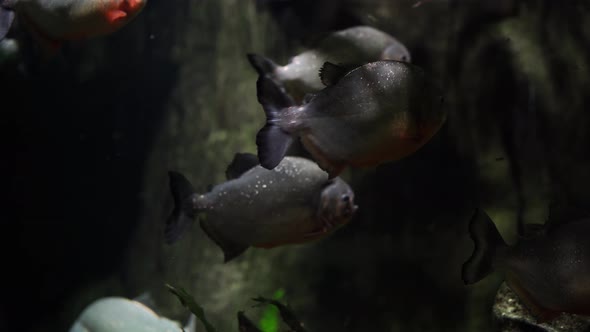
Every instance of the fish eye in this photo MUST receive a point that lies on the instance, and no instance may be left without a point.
(404, 58)
(345, 198)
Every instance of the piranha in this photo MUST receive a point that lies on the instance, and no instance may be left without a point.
(55, 21)
(349, 48)
(119, 314)
(381, 111)
(293, 203)
(549, 268)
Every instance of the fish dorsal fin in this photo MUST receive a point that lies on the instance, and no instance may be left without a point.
(330, 73)
(241, 163)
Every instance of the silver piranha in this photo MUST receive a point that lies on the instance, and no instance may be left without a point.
(549, 269)
(54, 21)
(349, 48)
(118, 314)
(294, 203)
(381, 111)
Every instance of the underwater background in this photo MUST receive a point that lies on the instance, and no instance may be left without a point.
(90, 135)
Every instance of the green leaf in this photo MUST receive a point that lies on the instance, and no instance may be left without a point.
(189, 302)
(269, 322)
(286, 314)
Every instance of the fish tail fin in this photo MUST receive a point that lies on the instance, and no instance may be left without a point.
(184, 211)
(263, 65)
(6, 19)
(488, 242)
(272, 141)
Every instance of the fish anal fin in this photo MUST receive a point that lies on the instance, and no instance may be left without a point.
(541, 313)
(330, 73)
(333, 168)
(241, 163)
(230, 249)
(114, 15)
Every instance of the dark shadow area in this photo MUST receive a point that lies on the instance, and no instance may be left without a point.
(74, 155)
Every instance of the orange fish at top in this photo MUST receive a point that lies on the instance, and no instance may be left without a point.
(55, 21)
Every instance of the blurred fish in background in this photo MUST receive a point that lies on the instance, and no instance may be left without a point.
(53, 22)
(119, 314)
(350, 48)
(549, 268)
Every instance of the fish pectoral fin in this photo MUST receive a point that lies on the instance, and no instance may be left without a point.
(114, 15)
(330, 73)
(541, 313)
(6, 19)
(241, 163)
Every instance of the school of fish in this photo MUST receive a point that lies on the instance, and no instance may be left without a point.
(354, 100)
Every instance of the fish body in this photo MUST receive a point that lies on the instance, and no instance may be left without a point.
(118, 314)
(549, 270)
(381, 111)
(293, 203)
(55, 21)
(350, 48)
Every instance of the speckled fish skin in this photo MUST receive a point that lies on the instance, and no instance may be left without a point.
(353, 46)
(379, 112)
(61, 20)
(553, 268)
(117, 314)
(290, 204)
(549, 270)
